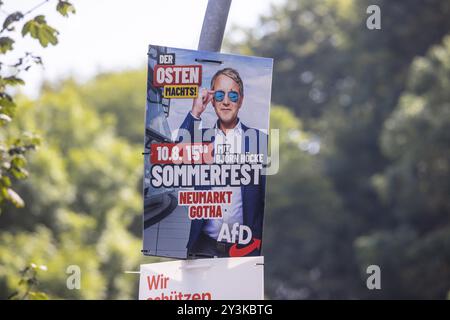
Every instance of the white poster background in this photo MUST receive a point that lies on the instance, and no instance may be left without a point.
(217, 279)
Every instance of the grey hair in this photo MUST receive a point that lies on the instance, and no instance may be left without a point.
(232, 74)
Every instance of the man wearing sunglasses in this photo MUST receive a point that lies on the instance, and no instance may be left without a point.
(226, 96)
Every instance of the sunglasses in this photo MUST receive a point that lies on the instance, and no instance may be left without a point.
(219, 95)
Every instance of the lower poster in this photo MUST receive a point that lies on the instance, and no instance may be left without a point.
(203, 279)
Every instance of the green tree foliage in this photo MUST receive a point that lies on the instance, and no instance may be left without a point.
(416, 137)
(14, 147)
(304, 218)
(415, 186)
(125, 103)
(15, 144)
(28, 283)
(82, 200)
(344, 82)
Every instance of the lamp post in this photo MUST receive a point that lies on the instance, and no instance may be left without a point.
(214, 24)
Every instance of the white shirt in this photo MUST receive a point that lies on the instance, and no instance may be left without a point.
(231, 213)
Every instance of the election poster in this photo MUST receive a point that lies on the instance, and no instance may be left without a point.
(205, 153)
(203, 279)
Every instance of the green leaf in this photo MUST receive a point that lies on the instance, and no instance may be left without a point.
(13, 81)
(4, 192)
(31, 28)
(39, 29)
(7, 104)
(47, 35)
(19, 161)
(6, 181)
(40, 19)
(13, 17)
(38, 295)
(65, 7)
(19, 173)
(6, 44)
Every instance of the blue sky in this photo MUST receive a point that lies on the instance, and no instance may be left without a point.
(107, 35)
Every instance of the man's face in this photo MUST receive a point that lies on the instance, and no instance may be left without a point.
(226, 110)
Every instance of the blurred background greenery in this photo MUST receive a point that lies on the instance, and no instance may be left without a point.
(364, 119)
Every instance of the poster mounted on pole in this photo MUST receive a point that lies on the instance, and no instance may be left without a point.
(206, 136)
(205, 279)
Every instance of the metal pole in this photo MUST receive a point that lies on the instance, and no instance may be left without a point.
(214, 25)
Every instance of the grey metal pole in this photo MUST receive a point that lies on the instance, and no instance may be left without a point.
(214, 25)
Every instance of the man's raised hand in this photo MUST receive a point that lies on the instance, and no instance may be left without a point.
(199, 104)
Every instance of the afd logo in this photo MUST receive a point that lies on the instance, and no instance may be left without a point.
(241, 237)
(239, 233)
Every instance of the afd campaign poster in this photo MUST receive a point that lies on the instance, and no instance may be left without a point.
(206, 136)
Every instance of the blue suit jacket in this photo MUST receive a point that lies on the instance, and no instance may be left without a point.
(253, 196)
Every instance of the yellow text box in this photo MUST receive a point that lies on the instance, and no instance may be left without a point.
(180, 91)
